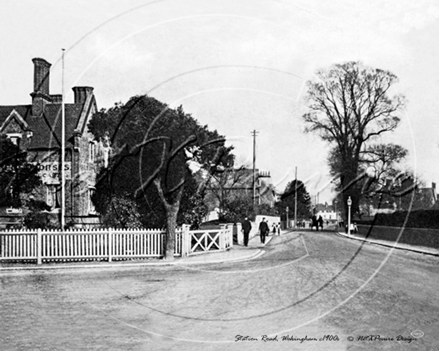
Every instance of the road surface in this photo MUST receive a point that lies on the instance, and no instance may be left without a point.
(309, 291)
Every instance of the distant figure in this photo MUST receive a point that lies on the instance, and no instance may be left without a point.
(353, 228)
(304, 223)
(274, 228)
(246, 227)
(279, 228)
(315, 222)
(320, 223)
(264, 229)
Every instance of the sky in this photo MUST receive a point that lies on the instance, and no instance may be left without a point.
(235, 65)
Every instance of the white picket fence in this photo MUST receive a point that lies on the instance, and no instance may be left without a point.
(107, 244)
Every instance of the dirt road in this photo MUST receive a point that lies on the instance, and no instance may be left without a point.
(311, 291)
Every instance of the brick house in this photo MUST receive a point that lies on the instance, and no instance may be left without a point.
(36, 127)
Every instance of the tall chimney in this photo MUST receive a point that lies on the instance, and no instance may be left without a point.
(40, 95)
(81, 94)
(41, 75)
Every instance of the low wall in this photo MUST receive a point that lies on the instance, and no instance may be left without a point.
(411, 236)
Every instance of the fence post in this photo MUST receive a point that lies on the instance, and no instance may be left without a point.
(185, 240)
(110, 244)
(240, 236)
(39, 246)
(223, 233)
(231, 234)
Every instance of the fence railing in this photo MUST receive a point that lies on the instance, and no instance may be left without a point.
(107, 244)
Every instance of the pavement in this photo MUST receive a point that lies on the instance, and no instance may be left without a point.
(396, 245)
(237, 253)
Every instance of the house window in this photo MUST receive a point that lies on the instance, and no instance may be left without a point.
(51, 196)
(92, 151)
(91, 206)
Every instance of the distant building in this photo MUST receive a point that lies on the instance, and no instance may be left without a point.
(36, 127)
(418, 199)
(429, 196)
(327, 212)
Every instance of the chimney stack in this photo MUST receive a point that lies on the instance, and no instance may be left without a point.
(81, 94)
(41, 75)
(40, 95)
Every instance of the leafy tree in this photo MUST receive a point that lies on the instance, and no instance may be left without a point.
(303, 203)
(236, 208)
(149, 162)
(17, 176)
(122, 212)
(37, 215)
(266, 210)
(349, 107)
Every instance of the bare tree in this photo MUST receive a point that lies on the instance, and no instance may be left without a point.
(349, 106)
(383, 158)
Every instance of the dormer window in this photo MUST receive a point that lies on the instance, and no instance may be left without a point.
(14, 137)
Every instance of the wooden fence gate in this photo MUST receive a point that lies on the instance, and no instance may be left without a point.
(107, 244)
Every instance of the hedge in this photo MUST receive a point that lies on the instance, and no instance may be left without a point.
(411, 236)
(416, 219)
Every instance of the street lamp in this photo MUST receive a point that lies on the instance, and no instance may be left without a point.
(349, 202)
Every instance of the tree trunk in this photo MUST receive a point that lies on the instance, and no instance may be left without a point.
(172, 211)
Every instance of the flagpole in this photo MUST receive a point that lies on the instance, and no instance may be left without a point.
(63, 146)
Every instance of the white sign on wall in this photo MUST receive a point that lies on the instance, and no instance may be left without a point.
(50, 172)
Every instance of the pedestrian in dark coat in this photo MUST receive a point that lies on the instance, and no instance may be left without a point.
(314, 222)
(321, 223)
(246, 227)
(264, 229)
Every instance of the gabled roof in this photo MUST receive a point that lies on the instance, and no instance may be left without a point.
(47, 128)
(14, 118)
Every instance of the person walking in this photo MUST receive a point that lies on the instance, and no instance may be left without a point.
(320, 223)
(246, 227)
(315, 222)
(279, 228)
(264, 229)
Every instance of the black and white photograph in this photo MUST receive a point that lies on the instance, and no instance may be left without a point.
(184, 175)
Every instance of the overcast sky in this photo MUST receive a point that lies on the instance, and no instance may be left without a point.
(236, 65)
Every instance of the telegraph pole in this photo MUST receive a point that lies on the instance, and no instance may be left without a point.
(254, 134)
(296, 192)
(63, 146)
